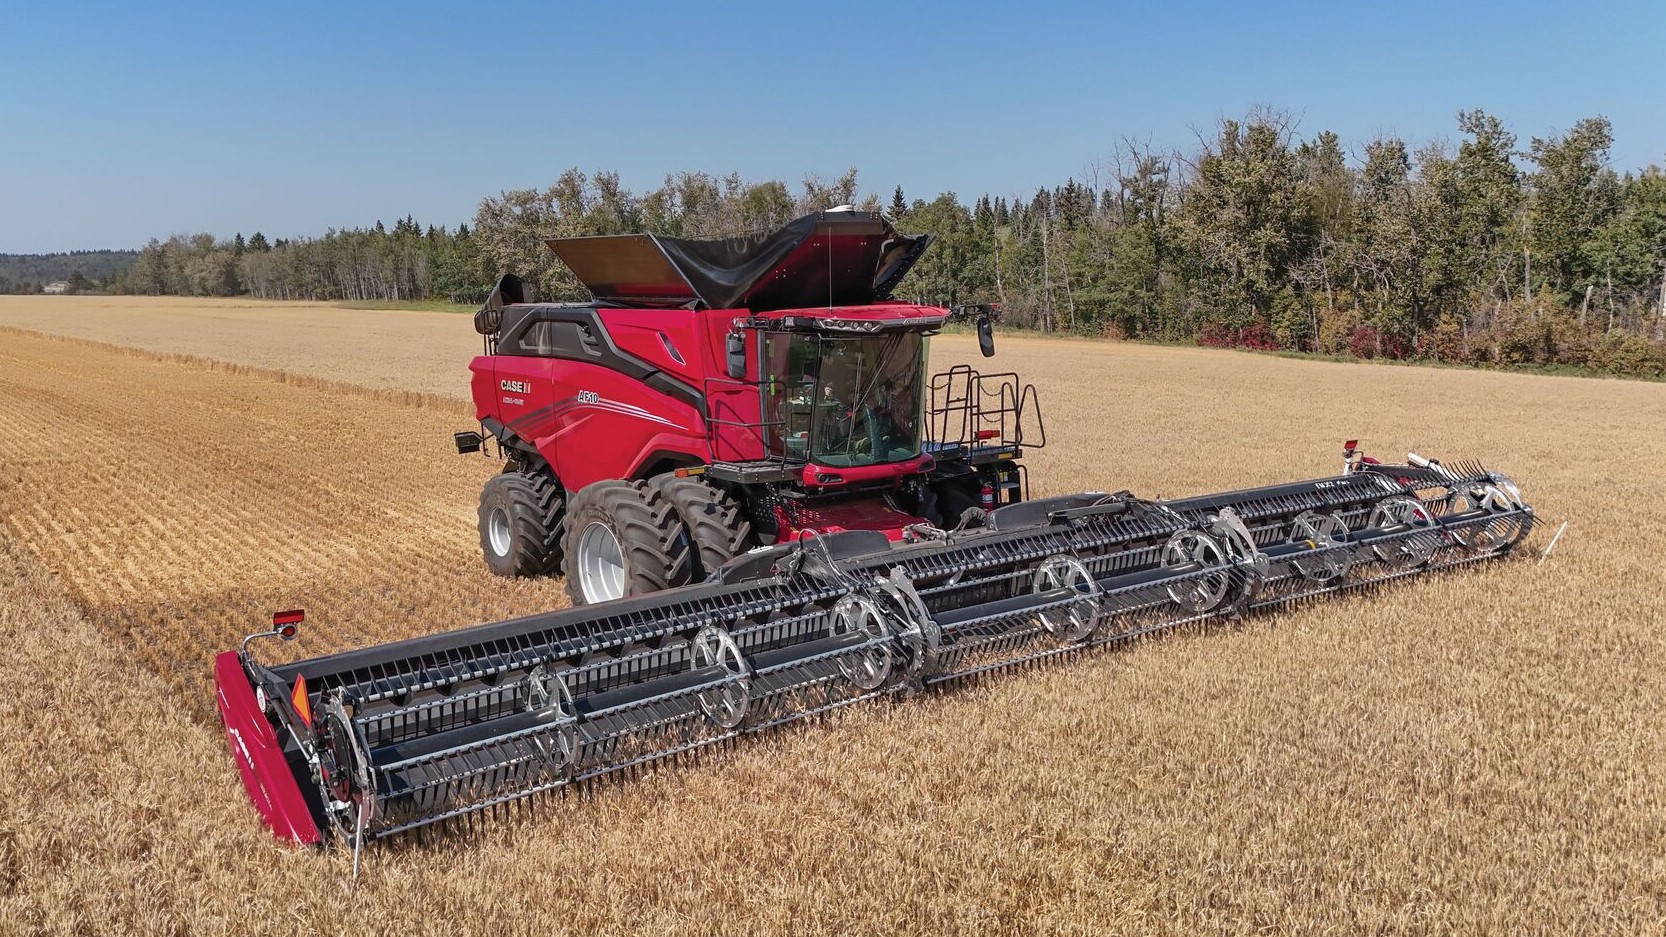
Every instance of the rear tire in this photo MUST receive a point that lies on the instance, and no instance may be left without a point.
(520, 524)
(623, 538)
(717, 526)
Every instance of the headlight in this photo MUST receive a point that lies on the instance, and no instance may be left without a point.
(852, 325)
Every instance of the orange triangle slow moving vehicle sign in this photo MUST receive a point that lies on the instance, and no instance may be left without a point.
(298, 697)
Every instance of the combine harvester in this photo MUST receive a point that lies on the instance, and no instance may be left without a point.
(765, 510)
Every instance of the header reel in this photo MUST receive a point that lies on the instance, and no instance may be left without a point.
(398, 738)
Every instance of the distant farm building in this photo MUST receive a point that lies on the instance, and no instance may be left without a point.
(56, 286)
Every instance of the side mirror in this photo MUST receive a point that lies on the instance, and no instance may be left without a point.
(986, 334)
(984, 316)
(734, 351)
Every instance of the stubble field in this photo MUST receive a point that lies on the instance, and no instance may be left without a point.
(1480, 752)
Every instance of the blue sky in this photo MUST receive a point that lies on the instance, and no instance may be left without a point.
(125, 121)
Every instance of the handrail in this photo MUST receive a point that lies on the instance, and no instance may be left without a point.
(965, 403)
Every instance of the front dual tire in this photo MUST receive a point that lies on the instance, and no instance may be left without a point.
(624, 538)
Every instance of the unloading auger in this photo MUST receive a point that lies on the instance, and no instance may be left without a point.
(371, 743)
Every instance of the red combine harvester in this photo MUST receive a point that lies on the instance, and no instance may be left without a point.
(766, 511)
(718, 396)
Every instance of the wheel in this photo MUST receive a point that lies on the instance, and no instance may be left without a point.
(868, 669)
(725, 705)
(623, 538)
(546, 694)
(715, 523)
(520, 524)
(344, 771)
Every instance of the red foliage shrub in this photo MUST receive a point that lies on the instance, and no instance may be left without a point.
(1368, 342)
(1216, 336)
(1363, 343)
(1256, 336)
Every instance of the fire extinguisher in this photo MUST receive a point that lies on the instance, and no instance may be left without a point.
(986, 497)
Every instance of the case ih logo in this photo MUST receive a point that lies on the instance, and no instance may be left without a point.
(516, 387)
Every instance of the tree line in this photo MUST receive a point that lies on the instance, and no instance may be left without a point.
(82, 270)
(1489, 251)
(406, 262)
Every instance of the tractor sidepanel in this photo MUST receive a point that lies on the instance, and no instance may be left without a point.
(688, 345)
(602, 441)
(592, 422)
(736, 406)
(737, 425)
(664, 338)
(483, 387)
(520, 392)
(716, 325)
(655, 449)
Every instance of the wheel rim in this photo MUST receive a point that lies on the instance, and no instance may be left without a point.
(725, 705)
(546, 695)
(601, 564)
(344, 771)
(1492, 534)
(497, 531)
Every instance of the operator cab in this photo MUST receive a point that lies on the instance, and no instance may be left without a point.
(844, 400)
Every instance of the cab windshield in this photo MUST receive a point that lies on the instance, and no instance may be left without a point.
(844, 401)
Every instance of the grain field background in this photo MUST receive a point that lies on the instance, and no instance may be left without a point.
(1481, 752)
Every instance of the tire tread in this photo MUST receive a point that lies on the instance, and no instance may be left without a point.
(655, 542)
(717, 526)
(535, 507)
